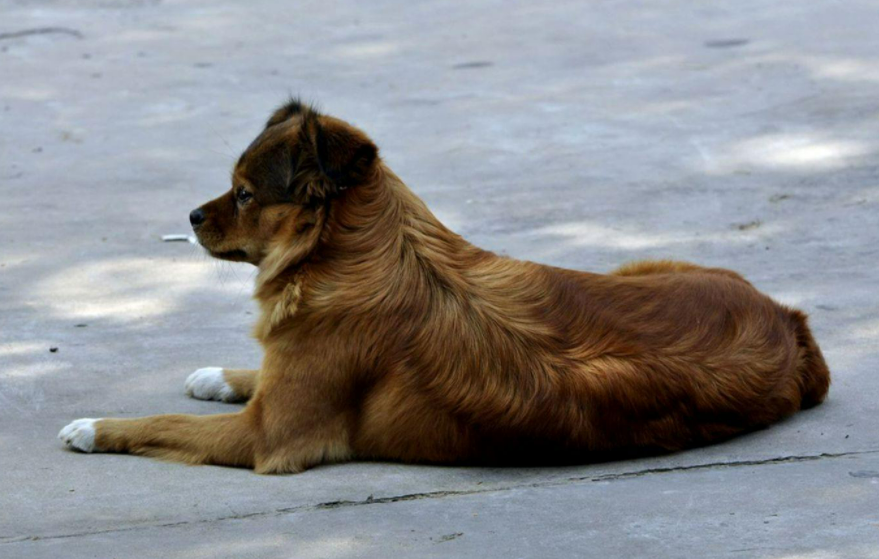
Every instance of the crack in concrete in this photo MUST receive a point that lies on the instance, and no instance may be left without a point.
(732, 464)
(330, 505)
(41, 31)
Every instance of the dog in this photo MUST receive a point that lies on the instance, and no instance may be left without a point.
(389, 337)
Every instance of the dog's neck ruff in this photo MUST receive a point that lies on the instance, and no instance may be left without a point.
(378, 239)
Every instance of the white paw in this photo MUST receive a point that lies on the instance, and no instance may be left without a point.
(80, 435)
(208, 384)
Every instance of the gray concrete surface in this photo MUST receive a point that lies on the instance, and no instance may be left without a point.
(584, 134)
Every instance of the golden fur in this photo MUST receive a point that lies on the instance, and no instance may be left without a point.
(387, 336)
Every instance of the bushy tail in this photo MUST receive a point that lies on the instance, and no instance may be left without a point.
(814, 378)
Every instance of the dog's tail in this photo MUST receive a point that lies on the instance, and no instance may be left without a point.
(814, 376)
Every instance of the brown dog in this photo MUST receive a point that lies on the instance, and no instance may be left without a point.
(387, 336)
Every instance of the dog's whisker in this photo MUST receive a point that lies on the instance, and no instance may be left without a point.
(246, 284)
(228, 146)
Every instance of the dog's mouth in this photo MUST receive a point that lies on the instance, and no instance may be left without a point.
(233, 255)
(206, 241)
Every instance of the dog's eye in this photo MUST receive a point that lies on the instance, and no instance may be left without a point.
(244, 196)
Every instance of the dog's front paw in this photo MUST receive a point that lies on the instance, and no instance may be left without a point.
(209, 384)
(80, 435)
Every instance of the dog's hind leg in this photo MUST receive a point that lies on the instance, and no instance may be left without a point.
(228, 439)
(225, 385)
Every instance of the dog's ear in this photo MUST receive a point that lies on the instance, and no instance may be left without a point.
(340, 156)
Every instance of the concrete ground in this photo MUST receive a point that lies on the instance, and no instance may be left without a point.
(733, 133)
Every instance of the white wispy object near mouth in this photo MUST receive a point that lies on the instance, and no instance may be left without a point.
(179, 238)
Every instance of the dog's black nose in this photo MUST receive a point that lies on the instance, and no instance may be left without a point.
(196, 217)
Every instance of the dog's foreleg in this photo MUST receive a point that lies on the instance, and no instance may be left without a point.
(225, 385)
(307, 406)
(223, 439)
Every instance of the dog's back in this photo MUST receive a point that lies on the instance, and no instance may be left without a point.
(660, 355)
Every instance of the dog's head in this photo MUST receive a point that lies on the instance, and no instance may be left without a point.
(283, 183)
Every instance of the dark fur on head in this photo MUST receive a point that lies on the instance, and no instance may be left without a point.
(332, 156)
(298, 164)
(292, 107)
